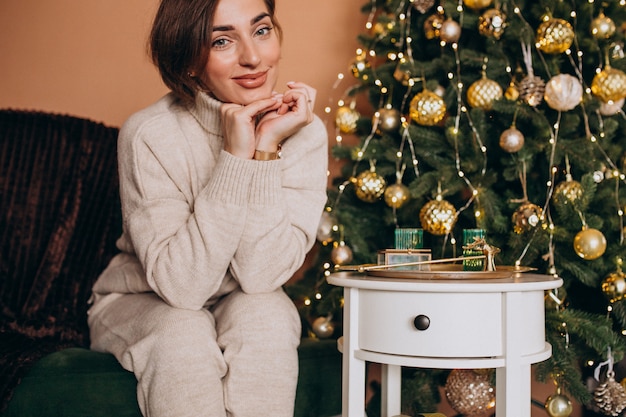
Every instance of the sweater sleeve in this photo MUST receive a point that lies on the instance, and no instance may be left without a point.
(183, 238)
(285, 206)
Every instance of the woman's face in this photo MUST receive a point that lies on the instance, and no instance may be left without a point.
(244, 52)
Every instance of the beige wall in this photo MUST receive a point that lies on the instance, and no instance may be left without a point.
(87, 57)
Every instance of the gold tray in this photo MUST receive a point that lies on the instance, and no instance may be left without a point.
(454, 271)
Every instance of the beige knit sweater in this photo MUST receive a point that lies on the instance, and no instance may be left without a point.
(198, 221)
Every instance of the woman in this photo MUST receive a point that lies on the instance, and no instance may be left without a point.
(222, 184)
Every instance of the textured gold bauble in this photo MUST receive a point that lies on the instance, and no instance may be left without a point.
(482, 93)
(567, 192)
(341, 254)
(323, 327)
(450, 31)
(609, 84)
(346, 118)
(554, 36)
(470, 392)
(558, 405)
(511, 140)
(563, 92)
(396, 195)
(423, 6)
(614, 286)
(432, 26)
(388, 120)
(602, 27)
(527, 217)
(492, 23)
(531, 89)
(438, 216)
(369, 186)
(477, 4)
(589, 244)
(427, 108)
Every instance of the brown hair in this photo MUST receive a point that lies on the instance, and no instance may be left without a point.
(179, 42)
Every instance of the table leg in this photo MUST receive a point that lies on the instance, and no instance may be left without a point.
(353, 369)
(391, 381)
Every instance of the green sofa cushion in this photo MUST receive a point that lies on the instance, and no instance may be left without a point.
(77, 382)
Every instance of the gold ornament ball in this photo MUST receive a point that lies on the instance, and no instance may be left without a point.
(554, 36)
(450, 31)
(511, 140)
(558, 405)
(388, 119)
(492, 23)
(323, 327)
(346, 119)
(563, 92)
(477, 4)
(438, 216)
(432, 26)
(469, 392)
(482, 93)
(609, 84)
(341, 254)
(512, 93)
(527, 217)
(531, 89)
(396, 195)
(602, 27)
(369, 186)
(589, 244)
(568, 192)
(326, 227)
(614, 286)
(427, 108)
(360, 65)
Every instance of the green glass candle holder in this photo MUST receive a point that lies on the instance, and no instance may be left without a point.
(470, 236)
(409, 238)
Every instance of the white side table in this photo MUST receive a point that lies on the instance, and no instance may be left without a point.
(447, 324)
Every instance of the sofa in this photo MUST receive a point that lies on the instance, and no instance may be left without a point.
(59, 220)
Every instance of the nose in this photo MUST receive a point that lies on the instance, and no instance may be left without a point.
(249, 55)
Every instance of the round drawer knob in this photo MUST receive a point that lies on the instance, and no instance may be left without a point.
(421, 322)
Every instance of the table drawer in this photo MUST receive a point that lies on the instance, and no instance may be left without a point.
(431, 324)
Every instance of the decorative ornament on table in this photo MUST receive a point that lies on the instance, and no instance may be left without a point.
(558, 405)
(609, 85)
(432, 26)
(531, 87)
(492, 23)
(369, 186)
(483, 92)
(470, 391)
(527, 217)
(602, 27)
(614, 285)
(438, 216)
(427, 108)
(323, 327)
(609, 396)
(397, 194)
(554, 36)
(477, 4)
(423, 6)
(387, 119)
(563, 92)
(511, 140)
(589, 243)
(450, 31)
(327, 227)
(346, 118)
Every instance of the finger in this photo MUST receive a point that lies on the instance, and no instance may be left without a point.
(309, 91)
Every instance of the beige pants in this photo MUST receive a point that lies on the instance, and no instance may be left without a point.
(237, 359)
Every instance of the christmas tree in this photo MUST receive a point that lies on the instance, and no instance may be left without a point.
(504, 116)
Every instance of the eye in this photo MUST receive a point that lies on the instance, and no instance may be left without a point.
(220, 43)
(264, 31)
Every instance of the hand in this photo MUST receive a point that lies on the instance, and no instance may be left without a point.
(294, 112)
(239, 124)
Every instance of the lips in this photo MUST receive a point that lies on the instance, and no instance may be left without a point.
(251, 80)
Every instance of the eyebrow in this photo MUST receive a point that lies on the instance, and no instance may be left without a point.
(254, 20)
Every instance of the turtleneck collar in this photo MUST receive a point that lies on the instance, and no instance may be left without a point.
(206, 110)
